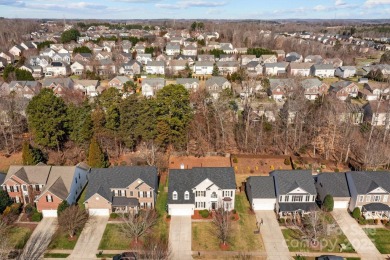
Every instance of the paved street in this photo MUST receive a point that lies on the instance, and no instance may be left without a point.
(356, 236)
(180, 237)
(88, 242)
(273, 239)
(40, 239)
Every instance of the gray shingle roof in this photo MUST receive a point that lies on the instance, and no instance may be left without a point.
(294, 206)
(286, 181)
(101, 180)
(367, 181)
(334, 184)
(185, 180)
(187, 80)
(219, 80)
(260, 187)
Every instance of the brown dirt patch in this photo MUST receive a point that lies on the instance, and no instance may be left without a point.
(190, 162)
(258, 164)
(6, 161)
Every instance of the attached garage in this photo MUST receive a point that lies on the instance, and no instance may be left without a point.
(341, 204)
(49, 213)
(263, 204)
(181, 209)
(99, 212)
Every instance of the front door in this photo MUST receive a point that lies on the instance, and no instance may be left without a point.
(213, 205)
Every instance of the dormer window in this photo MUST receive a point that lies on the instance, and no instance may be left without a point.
(186, 195)
(174, 195)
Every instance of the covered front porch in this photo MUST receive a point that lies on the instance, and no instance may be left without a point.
(376, 211)
(125, 205)
(294, 210)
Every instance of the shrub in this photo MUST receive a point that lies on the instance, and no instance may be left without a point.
(282, 221)
(251, 171)
(370, 221)
(16, 208)
(385, 222)
(168, 216)
(62, 206)
(36, 216)
(328, 203)
(234, 211)
(362, 221)
(114, 215)
(123, 163)
(232, 217)
(336, 170)
(29, 209)
(235, 160)
(377, 221)
(356, 213)
(204, 213)
(288, 221)
(286, 161)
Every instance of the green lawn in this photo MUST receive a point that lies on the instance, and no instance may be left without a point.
(55, 255)
(18, 236)
(380, 237)
(61, 240)
(113, 238)
(243, 238)
(162, 227)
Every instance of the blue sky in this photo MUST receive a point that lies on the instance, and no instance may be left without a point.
(196, 9)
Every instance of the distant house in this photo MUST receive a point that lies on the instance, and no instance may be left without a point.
(317, 59)
(254, 68)
(79, 67)
(132, 67)
(118, 82)
(89, 87)
(344, 89)
(335, 185)
(335, 62)
(206, 57)
(190, 50)
(172, 49)
(377, 90)
(203, 68)
(144, 58)
(314, 88)
(191, 84)
(151, 85)
(57, 69)
(26, 89)
(274, 69)
(216, 84)
(155, 67)
(245, 59)
(279, 88)
(268, 58)
(7, 56)
(345, 71)
(281, 54)
(16, 50)
(322, 70)
(177, 65)
(226, 67)
(200, 188)
(377, 113)
(299, 69)
(349, 112)
(106, 67)
(121, 190)
(293, 57)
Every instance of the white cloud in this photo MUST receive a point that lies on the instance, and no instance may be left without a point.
(372, 3)
(188, 4)
(339, 3)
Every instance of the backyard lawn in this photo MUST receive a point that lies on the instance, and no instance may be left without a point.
(329, 244)
(18, 236)
(113, 238)
(380, 237)
(243, 238)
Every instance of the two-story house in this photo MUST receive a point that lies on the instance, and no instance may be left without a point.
(121, 189)
(377, 113)
(344, 89)
(322, 70)
(132, 67)
(370, 192)
(203, 67)
(227, 67)
(46, 186)
(118, 82)
(191, 84)
(345, 71)
(336, 185)
(200, 188)
(150, 86)
(273, 69)
(155, 67)
(314, 88)
(216, 84)
(299, 69)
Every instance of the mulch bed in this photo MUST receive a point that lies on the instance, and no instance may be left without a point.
(236, 216)
(224, 247)
(198, 216)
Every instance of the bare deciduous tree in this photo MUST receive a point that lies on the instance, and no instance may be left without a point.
(4, 241)
(136, 225)
(221, 222)
(156, 248)
(72, 219)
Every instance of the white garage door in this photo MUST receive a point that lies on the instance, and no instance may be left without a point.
(340, 204)
(49, 213)
(180, 211)
(99, 212)
(263, 204)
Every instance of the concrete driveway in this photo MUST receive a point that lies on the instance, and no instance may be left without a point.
(273, 239)
(89, 240)
(180, 237)
(40, 239)
(356, 236)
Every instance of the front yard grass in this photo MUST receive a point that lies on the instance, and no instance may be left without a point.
(114, 239)
(61, 240)
(18, 236)
(380, 237)
(329, 244)
(242, 239)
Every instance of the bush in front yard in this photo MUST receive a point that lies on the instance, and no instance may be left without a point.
(356, 213)
(328, 203)
(282, 220)
(235, 160)
(204, 213)
(362, 221)
(286, 161)
(114, 215)
(36, 216)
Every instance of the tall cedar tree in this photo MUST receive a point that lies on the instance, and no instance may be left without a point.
(96, 157)
(215, 70)
(80, 123)
(5, 200)
(31, 155)
(47, 119)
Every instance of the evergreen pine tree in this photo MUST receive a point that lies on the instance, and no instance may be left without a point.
(96, 157)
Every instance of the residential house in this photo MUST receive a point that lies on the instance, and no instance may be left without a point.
(377, 113)
(334, 184)
(139, 49)
(174, 66)
(144, 58)
(121, 189)
(61, 57)
(47, 52)
(118, 82)
(45, 185)
(56, 69)
(203, 67)
(86, 57)
(293, 57)
(349, 113)
(3, 63)
(26, 89)
(59, 85)
(191, 84)
(103, 56)
(227, 57)
(322, 70)
(314, 88)
(227, 48)
(90, 88)
(245, 59)
(123, 57)
(190, 50)
(344, 89)
(150, 86)
(155, 67)
(79, 67)
(281, 55)
(172, 49)
(345, 71)
(299, 69)
(316, 59)
(268, 58)
(132, 67)
(200, 188)
(16, 50)
(260, 191)
(254, 68)
(370, 192)
(206, 57)
(335, 62)
(216, 84)
(227, 67)
(189, 59)
(7, 56)
(280, 87)
(377, 90)
(105, 67)
(273, 69)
